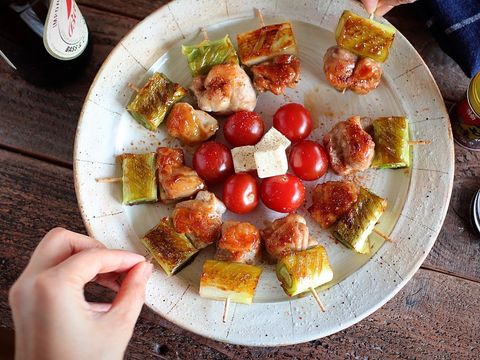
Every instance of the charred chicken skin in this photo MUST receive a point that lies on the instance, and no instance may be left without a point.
(349, 147)
(225, 89)
(287, 235)
(276, 74)
(200, 219)
(240, 242)
(331, 200)
(176, 180)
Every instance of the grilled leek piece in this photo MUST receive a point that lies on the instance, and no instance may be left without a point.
(221, 280)
(265, 43)
(364, 37)
(202, 57)
(300, 271)
(391, 143)
(138, 178)
(154, 100)
(353, 229)
(170, 249)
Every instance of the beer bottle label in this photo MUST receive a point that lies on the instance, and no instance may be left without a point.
(65, 34)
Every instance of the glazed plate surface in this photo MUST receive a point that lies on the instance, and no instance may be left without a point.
(417, 197)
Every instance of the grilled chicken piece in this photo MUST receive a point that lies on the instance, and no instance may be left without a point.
(200, 219)
(276, 74)
(176, 180)
(225, 89)
(331, 200)
(338, 66)
(366, 76)
(189, 125)
(240, 242)
(287, 235)
(349, 147)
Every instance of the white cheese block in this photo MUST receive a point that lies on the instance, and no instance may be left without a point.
(273, 139)
(271, 162)
(243, 159)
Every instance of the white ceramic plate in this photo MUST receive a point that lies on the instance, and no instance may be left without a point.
(417, 197)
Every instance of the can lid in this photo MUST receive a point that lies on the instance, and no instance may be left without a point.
(473, 94)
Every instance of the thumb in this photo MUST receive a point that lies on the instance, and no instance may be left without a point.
(128, 303)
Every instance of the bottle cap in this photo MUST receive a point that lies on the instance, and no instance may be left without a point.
(473, 94)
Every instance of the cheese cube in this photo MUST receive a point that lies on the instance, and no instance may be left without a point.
(273, 139)
(271, 162)
(243, 159)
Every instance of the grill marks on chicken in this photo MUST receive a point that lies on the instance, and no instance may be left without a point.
(199, 219)
(176, 180)
(276, 74)
(331, 200)
(286, 235)
(225, 89)
(240, 242)
(345, 70)
(349, 147)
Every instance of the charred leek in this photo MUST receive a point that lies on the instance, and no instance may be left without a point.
(202, 57)
(170, 249)
(364, 37)
(301, 271)
(221, 280)
(391, 142)
(353, 229)
(138, 178)
(154, 100)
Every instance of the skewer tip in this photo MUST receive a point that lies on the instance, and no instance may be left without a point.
(317, 299)
(133, 87)
(383, 235)
(259, 14)
(225, 309)
(371, 16)
(109, 180)
(419, 142)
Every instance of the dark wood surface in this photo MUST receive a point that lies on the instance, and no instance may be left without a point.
(436, 315)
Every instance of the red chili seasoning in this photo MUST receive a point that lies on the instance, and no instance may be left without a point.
(465, 117)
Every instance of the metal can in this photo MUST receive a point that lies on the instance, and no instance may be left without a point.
(465, 117)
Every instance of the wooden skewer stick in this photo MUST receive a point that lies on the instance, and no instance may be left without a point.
(260, 16)
(343, 91)
(109, 180)
(204, 33)
(383, 235)
(371, 15)
(317, 298)
(133, 87)
(225, 309)
(420, 142)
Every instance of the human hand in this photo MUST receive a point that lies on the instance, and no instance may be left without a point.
(51, 316)
(381, 7)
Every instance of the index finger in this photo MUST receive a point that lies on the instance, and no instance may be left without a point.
(82, 267)
(56, 246)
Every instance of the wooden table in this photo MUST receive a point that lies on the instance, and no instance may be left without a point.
(436, 315)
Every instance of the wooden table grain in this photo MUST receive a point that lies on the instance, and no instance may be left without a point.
(436, 315)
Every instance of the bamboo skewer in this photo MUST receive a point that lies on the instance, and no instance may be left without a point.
(371, 15)
(419, 142)
(383, 235)
(260, 16)
(204, 33)
(109, 180)
(134, 87)
(317, 299)
(225, 309)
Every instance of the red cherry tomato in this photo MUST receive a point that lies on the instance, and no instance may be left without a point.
(240, 193)
(282, 193)
(213, 162)
(308, 160)
(294, 121)
(243, 128)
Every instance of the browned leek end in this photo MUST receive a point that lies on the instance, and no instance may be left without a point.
(364, 37)
(170, 249)
(138, 178)
(154, 100)
(304, 270)
(221, 280)
(265, 43)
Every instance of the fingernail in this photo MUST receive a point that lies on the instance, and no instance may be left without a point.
(147, 270)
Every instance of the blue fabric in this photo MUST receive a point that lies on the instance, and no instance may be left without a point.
(456, 24)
